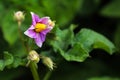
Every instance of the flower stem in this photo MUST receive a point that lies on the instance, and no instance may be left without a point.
(21, 38)
(32, 65)
(47, 76)
(34, 71)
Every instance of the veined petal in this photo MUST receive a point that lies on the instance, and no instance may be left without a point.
(35, 18)
(44, 20)
(46, 31)
(35, 31)
(38, 40)
(30, 33)
(43, 36)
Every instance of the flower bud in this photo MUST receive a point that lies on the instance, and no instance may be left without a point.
(19, 16)
(48, 62)
(51, 23)
(33, 56)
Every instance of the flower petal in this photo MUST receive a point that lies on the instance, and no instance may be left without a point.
(35, 18)
(44, 20)
(46, 31)
(30, 33)
(43, 36)
(40, 39)
(31, 27)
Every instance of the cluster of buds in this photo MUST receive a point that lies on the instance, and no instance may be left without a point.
(19, 17)
(33, 56)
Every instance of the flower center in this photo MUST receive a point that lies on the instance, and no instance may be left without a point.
(39, 27)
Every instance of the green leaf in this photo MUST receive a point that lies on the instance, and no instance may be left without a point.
(10, 28)
(1, 65)
(112, 9)
(117, 37)
(63, 38)
(90, 40)
(18, 49)
(81, 44)
(8, 58)
(77, 53)
(2, 11)
(11, 61)
(17, 62)
(85, 41)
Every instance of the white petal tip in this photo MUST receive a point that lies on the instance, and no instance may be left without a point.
(31, 12)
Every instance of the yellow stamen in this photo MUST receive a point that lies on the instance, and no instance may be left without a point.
(39, 27)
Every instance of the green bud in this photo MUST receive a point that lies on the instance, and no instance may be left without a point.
(33, 56)
(48, 62)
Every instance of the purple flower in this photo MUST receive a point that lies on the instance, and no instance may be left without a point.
(39, 28)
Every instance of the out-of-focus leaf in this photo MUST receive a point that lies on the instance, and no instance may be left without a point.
(117, 37)
(62, 11)
(2, 65)
(1, 11)
(18, 49)
(90, 40)
(104, 78)
(8, 58)
(89, 7)
(10, 27)
(112, 9)
(11, 61)
(17, 62)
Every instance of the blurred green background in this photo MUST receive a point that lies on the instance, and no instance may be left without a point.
(102, 16)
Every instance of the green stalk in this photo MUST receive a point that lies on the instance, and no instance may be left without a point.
(47, 76)
(34, 71)
(32, 65)
(21, 37)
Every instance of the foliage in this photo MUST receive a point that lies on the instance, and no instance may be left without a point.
(82, 43)
(67, 44)
(10, 61)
